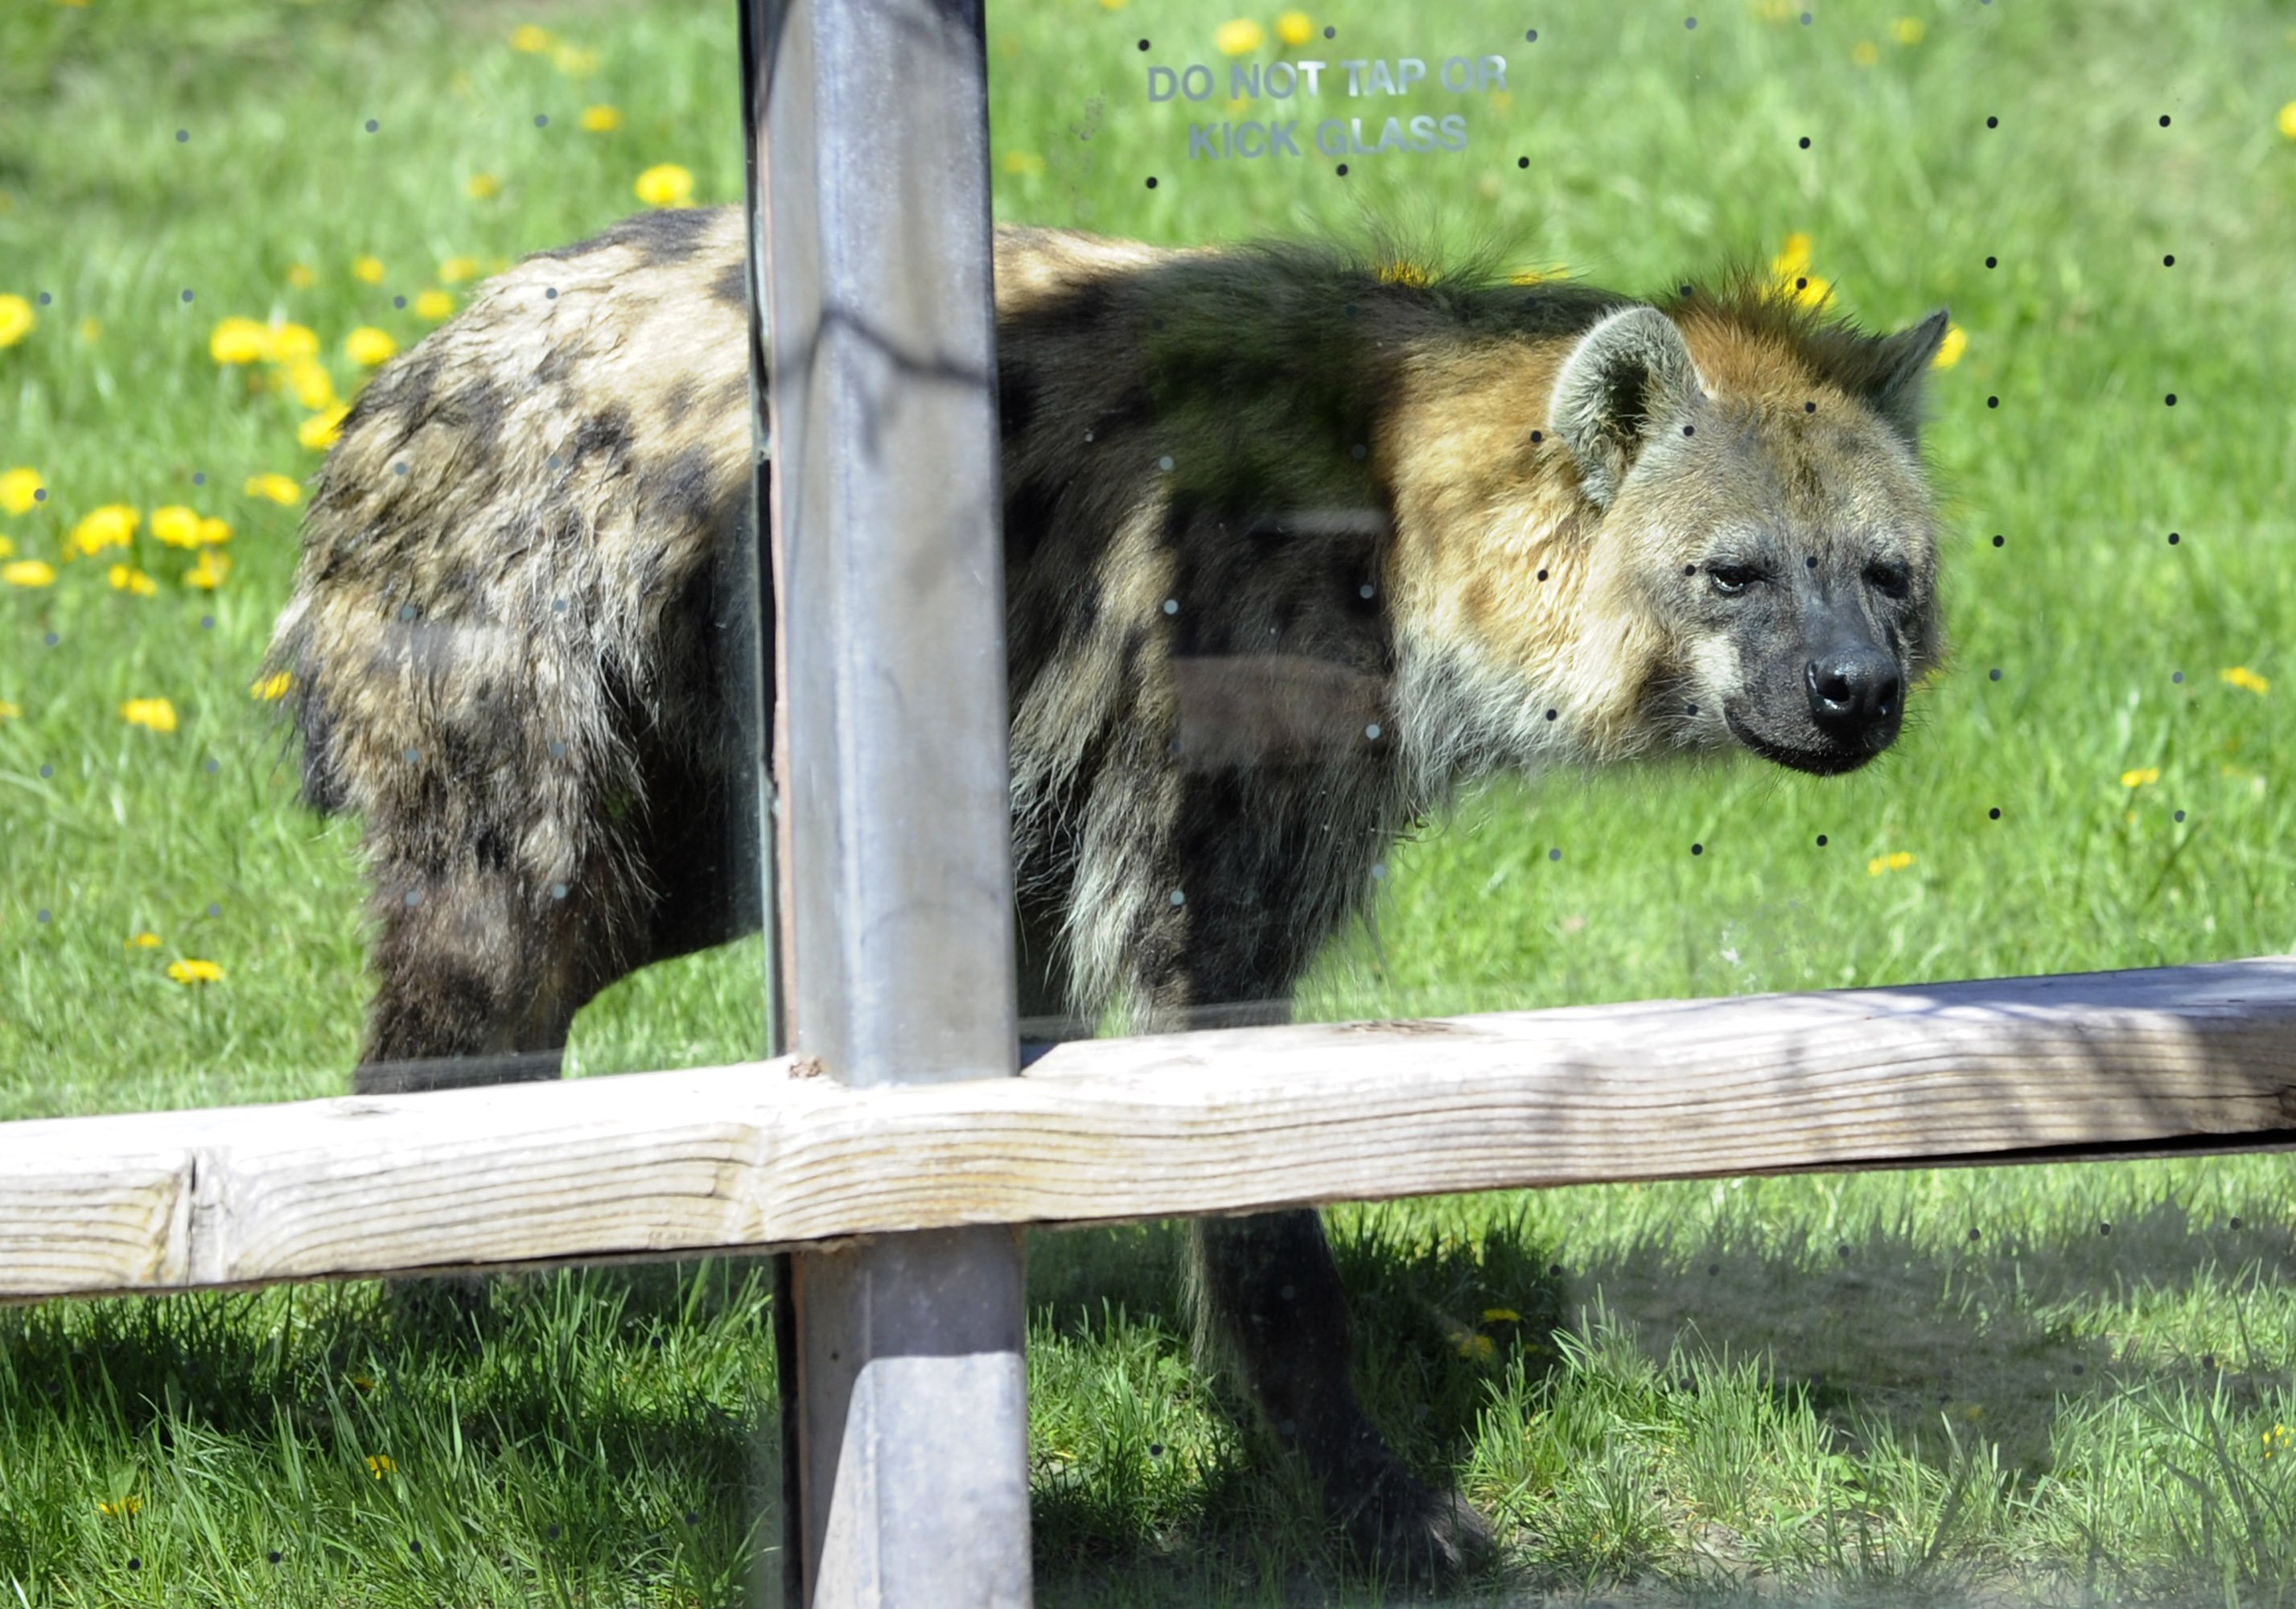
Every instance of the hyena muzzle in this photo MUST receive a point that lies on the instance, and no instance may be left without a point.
(1295, 543)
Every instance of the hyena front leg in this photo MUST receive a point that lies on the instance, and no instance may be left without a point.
(1272, 1294)
(1268, 1289)
(475, 984)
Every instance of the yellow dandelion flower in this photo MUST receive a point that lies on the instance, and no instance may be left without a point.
(91, 330)
(214, 531)
(1403, 274)
(318, 432)
(2288, 119)
(2278, 1440)
(664, 184)
(1240, 37)
(16, 319)
(29, 572)
(1295, 28)
(9, 711)
(1908, 30)
(1896, 860)
(141, 942)
(240, 341)
(177, 526)
(1481, 1349)
(531, 38)
(365, 1383)
(126, 578)
(121, 1508)
(313, 386)
(271, 689)
(2143, 777)
(1023, 161)
(2241, 675)
(434, 305)
(1501, 1316)
(1811, 288)
(482, 186)
(575, 61)
(7, 548)
(302, 276)
(380, 1465)
(602, 119)
(1111, 5)
(368, 270)
(367, 346)
(1864, 52)
(1949, 350)
(189, 970)
(111, 526)
(455, 270)
(18, 488)
(157, 713)
(282, 489)
(210, 572)
(1792, 259)
(292, 344)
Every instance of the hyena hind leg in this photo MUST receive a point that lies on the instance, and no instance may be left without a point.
(1269, 1291)
(480, 974)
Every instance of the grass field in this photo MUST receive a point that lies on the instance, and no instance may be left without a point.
(2073, 1384)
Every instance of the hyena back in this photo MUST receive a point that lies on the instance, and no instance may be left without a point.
(1295, 544)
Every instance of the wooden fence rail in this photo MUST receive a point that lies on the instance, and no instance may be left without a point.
(651, 1164)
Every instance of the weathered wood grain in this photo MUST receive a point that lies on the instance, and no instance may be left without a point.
(661, 1164)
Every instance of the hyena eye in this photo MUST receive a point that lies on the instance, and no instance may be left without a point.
(1890, 577)
(1732, 578)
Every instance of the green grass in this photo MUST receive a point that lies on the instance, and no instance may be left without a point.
(1820, 1388)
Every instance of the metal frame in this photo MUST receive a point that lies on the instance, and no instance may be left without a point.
(906, 1426)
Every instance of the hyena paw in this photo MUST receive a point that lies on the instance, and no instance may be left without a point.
(1402, 1527)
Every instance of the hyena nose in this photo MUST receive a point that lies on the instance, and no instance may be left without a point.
(1854, 689)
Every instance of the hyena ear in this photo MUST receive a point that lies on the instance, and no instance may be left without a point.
(1900, 367)
(1628, 376)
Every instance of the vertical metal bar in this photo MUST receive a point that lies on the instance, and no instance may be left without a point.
(910, 1411)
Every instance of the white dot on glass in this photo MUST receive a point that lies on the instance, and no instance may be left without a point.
(1372, 731)
(1171, 605)
(558, 891)
(1165, 463)
(1179, 898)
(414, 756)
(372, 125)
(1365, 590)
(415, 896)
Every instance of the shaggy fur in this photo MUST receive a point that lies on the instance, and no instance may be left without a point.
(1294, 545)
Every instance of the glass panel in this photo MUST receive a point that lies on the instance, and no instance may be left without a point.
(497, 628)
(1423, 602)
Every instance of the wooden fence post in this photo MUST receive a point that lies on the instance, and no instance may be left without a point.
(909, 1402)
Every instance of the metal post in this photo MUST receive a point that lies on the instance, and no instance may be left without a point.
(909, 1406)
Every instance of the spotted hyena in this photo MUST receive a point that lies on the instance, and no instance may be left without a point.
(1295, 543)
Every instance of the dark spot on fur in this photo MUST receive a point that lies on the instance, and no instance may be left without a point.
(666, 234)
(1017, 395)
(1028, 509)
(680, 492)
(606, 434)
(730, 285)
(559, 362)
(679, 402)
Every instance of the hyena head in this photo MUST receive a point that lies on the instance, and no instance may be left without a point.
(1766, 525)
